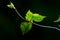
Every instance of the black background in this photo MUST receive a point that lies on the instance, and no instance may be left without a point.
(10, 21)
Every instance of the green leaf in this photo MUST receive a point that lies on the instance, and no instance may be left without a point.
(11, 5)
(25, 27)
(29, 15)
(34, 17)
(58, 20)
(38, 18)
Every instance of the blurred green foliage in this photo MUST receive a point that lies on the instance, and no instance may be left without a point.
(25, 27)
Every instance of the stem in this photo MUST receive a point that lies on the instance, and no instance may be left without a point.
(19, 14)
(46, 26)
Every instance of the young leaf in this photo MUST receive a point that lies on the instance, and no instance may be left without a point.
(11, 5)
(38, 18)
(34, 17)
(25, 27)
(29, 15)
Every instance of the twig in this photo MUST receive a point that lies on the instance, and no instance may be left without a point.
(46, 26)
(18, 13)
(35, 23)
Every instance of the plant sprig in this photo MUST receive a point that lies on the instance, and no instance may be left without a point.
(30, 17)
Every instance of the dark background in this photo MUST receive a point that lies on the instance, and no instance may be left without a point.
(10, 21)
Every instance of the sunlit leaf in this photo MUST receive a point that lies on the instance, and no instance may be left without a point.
(11, 5)
(38, 18)
(25, 27)
(29, 15)
(34, 16)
